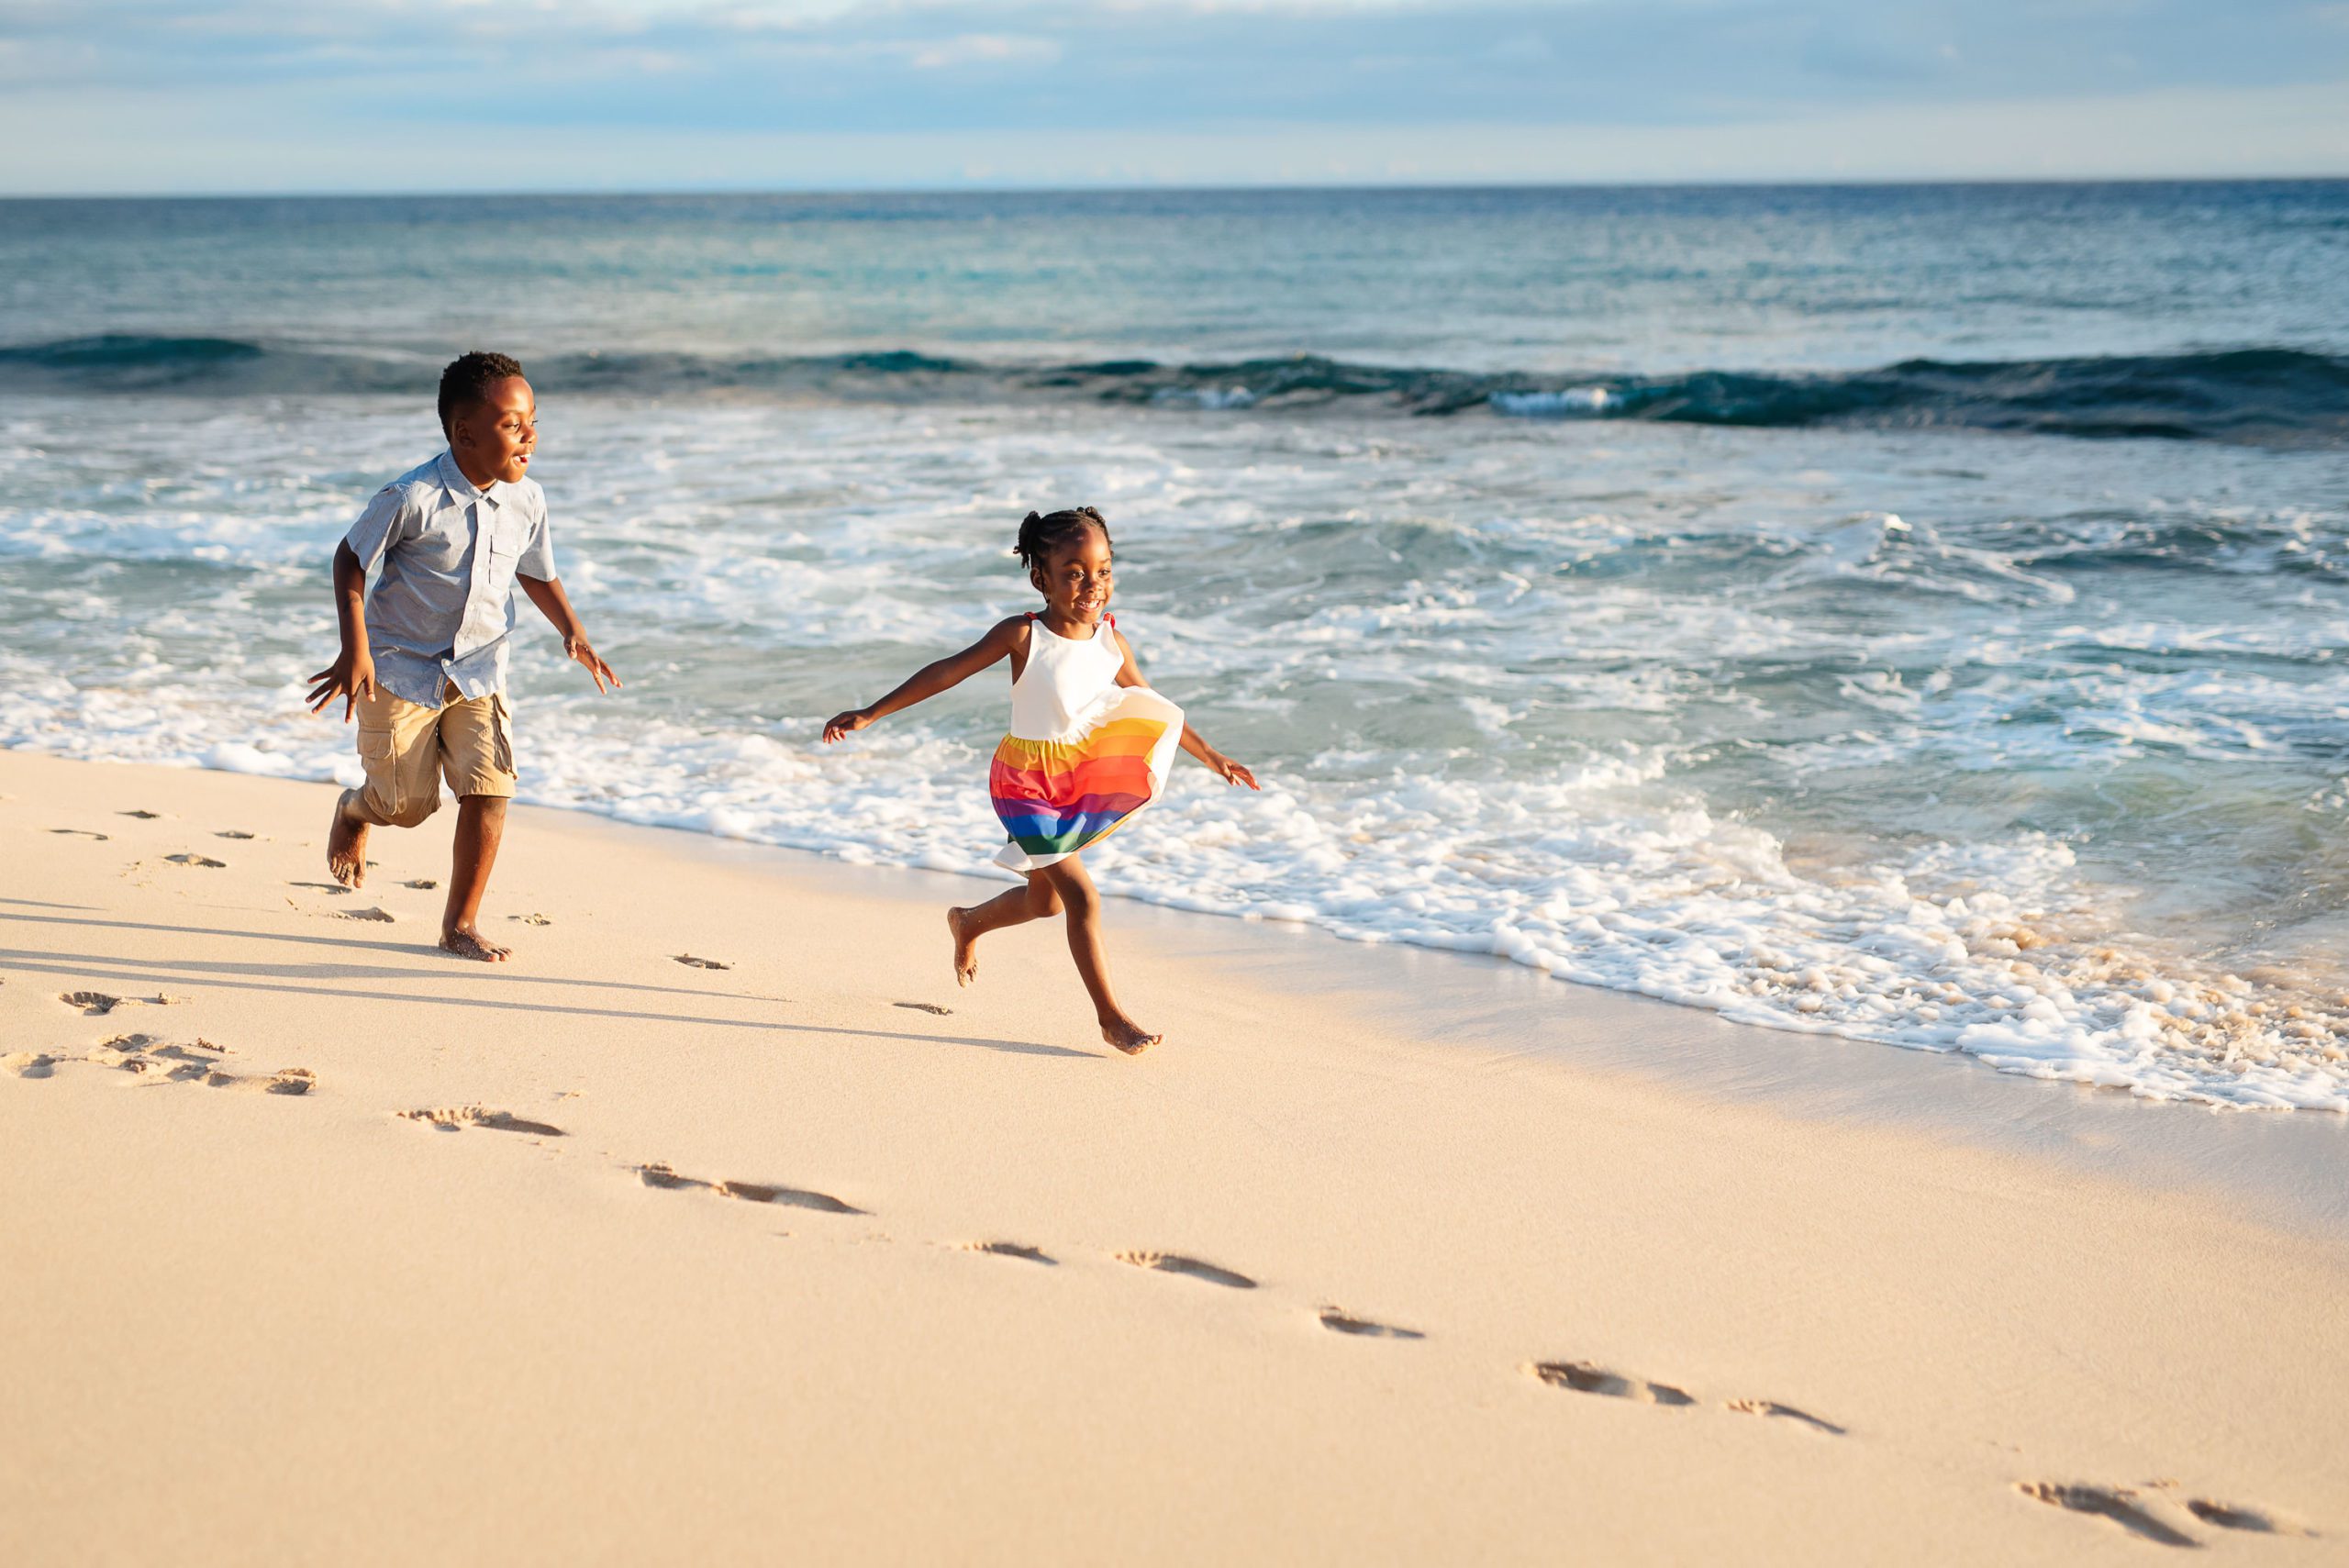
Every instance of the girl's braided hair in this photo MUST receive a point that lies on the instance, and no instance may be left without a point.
(1041, 533)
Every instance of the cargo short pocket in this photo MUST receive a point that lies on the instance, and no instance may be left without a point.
(502, 727)
(379, 754)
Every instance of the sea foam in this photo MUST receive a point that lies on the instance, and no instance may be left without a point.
(1740, 743)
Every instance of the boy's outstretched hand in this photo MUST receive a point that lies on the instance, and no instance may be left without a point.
(349, 677)
(578, 648)
(1232, 773)
(839, 724)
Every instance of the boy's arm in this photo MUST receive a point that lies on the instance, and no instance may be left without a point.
(1002, 639)
(1130, 674)
(555, 604)
(352, 674)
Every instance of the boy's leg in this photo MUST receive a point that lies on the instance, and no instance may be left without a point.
(399, 748)
(477, 751)
(1083, 902)
(480, 823)
(1012, 906)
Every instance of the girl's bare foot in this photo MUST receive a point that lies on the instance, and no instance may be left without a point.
(467, 942)
(346, 843)
(966, 949)
(1127, 1036)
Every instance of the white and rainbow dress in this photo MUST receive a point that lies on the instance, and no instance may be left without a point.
(1084, 753)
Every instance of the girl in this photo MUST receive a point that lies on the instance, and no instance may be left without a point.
(1090, 746)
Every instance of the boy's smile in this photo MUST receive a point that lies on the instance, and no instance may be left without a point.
(494, 439)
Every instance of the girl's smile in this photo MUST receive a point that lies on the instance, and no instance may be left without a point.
(1076, 580)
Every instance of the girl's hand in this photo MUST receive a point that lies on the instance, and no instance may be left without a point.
(841, 723)
(1232, 773)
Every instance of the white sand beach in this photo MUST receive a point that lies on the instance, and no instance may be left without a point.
(324, 1247)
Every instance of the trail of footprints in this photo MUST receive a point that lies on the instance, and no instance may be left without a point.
(2134, 1510)
(2119, 1504)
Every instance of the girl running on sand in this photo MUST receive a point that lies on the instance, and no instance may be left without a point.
(1090, 744)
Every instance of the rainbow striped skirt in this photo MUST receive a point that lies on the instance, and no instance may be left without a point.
(1057, 796)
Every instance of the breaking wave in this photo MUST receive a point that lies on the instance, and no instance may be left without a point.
(2268, 396)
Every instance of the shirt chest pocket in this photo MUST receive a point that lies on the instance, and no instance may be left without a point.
(505, 538)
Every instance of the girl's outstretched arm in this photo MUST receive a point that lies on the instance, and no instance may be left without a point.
(1006, 637)
(1130, 674)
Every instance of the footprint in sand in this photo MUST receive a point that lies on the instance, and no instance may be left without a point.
(533, 919)
(80, 833)
(690, 962)
(659, 1175)
(421, 883)
(795, 1198)
(455, 1118)
(332, 889)
(924, 1008)
(142, 816)
(2115, 1502)
(1338, 1322)
(1782, 1412)
(1584, 1378)
(193, 860)
(151, 1061)
(373, 912)
(1012, 1249)
(97, 1004)
(232, 833)
(29, 1064)
(1176, 1264)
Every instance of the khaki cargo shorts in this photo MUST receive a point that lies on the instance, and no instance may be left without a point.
(406, 746)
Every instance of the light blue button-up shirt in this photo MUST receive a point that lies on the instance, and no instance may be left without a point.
(439, 613)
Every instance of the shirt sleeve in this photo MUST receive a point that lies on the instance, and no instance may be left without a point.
(537, 554)
(384, 523)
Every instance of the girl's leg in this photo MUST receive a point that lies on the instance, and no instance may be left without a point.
(1013, 906)
(1078, 895)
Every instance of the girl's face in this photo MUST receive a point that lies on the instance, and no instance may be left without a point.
(1074, 578)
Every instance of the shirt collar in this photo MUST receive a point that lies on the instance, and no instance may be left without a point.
(464, 489)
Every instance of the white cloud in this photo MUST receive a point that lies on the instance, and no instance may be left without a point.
(984, 49)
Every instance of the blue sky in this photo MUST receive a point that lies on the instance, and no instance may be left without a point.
(163, 96)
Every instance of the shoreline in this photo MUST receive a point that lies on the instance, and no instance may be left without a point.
(1381, 1256)
(1997, 1057)
(1490, 1009)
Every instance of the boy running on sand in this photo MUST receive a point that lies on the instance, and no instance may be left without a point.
(423, 660)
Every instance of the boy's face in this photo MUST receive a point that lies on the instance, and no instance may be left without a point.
(497, 435)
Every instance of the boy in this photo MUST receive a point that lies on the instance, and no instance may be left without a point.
(423, 660)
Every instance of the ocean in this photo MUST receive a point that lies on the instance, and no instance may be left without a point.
(1915, 614)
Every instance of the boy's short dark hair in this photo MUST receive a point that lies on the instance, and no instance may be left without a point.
(468, 379)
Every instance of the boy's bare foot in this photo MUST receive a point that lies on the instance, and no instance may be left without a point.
(1127, 1036)
(966, 949)
(467, 942)
(346, 843)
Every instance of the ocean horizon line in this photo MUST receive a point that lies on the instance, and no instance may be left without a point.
(1130, 187)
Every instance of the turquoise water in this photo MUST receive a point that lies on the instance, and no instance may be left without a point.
(1912, 614)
